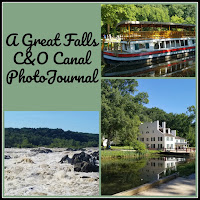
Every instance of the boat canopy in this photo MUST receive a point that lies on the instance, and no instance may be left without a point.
(134, 30)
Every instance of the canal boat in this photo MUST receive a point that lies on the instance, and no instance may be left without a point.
(144, 41)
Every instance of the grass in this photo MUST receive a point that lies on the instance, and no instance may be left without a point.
(122, 147)
(117, 152)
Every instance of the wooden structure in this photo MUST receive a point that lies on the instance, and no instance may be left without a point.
(136, 30)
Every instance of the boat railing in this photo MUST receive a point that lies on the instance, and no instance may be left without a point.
(145, 35)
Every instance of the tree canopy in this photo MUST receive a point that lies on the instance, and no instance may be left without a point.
(111, 14)
(123, 111)
(36, 137)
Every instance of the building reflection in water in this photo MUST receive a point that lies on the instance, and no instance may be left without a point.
(157, 168)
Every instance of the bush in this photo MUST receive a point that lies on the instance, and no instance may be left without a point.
(140, 147)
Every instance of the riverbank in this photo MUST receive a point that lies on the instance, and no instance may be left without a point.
(181, 186)
(124, 153)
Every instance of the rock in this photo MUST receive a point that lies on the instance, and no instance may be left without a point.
(42, 150)
(89, 167)
(85, 167)
(66, 158)
(80, 157)
(96, 155)
(7, 157)
(69, 149)
(26, 160)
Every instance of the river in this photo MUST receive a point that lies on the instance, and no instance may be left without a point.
(118, 175)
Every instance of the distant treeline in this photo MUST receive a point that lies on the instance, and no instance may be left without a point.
(111, 14)
(36, 137)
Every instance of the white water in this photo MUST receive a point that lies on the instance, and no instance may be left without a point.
(46, 176)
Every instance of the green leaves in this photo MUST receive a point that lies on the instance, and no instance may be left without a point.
(112, 14)
(119, 110)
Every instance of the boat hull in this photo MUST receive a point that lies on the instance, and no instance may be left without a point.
(128, 58)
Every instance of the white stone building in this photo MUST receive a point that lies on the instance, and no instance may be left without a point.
(160, 137)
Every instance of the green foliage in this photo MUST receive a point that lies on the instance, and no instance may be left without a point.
(123, 111)
(140, 147)
(119, 110)
(34, 137)
(112, 14)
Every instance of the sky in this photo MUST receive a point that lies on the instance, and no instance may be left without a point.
(170, 95)
(80, 121)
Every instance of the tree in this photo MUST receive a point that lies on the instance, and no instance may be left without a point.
(119, 108)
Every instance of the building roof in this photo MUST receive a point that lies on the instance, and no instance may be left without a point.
(155, 24)
(169, 135)
(177, 137)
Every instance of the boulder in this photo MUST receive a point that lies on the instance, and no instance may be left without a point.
(69, 149)
(7, 157)
(65, 159)
(42, 150)
(77, 158)
(85, 167)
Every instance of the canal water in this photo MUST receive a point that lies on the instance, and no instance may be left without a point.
(122, 174)
(172, 66)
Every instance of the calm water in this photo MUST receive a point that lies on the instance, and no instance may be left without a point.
(122, 174)
(176, 66)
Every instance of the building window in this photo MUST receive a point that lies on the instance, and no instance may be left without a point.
(153, 131)
(147, 139)
(176, 141)
(160, 164)
(171, 138)
(186, 42)
(141, 139)
(147, 132)
(167, 138)
(193, 41)
(159, 138)
(152, 138)
(153, 146)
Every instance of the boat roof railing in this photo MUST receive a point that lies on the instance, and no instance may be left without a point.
(155, 24)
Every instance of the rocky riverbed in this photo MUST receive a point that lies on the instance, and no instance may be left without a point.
(51, 172)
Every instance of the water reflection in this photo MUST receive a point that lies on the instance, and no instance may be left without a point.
(122, 174)
(159, 167)
(179, 66)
